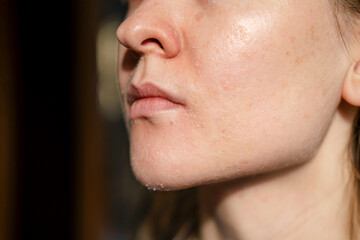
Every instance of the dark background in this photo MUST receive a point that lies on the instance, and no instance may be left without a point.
(64, 171)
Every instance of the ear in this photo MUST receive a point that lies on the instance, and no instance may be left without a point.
(351, 85)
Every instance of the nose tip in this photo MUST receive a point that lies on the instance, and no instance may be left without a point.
(149, 35)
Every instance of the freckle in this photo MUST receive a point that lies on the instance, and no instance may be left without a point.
(198, 16)
(264, 199)
(249, 147)
(306, 116)
(312, 32)
(275, 118)
(285, 85)
(203, 2)
(293, 39)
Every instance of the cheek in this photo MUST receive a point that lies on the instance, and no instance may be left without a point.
(270, 84)
(269, 58)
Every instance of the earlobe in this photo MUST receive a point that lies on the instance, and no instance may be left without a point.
(351, 85)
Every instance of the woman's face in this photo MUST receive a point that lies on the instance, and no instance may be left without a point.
(227, 88)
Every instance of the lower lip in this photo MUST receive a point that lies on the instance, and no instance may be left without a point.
(147, 107)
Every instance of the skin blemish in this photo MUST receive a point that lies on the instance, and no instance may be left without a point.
(203, 2)
(312, 30)
(199, 16)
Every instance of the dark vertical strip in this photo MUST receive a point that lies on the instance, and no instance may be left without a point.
(45, 161)
(88, 126)
(8, 57)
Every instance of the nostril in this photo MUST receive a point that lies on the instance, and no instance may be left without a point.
(152, 40)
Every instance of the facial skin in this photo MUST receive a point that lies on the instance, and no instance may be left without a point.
(258, 84)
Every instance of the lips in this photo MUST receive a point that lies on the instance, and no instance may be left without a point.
(147, 100)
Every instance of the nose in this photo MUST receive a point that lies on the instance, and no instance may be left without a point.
(148, 31)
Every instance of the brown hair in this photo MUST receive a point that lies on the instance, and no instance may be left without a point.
(352, 5)
(355, 180)
(174, 215)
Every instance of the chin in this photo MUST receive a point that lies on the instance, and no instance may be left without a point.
(159, 173)
(162, 157)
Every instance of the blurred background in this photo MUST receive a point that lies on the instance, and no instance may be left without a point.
(64, 170)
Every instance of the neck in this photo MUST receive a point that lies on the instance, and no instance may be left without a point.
(308, 201)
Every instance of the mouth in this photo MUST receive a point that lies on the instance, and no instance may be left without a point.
(147, 100)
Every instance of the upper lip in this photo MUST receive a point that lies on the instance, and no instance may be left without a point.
(148, 90)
